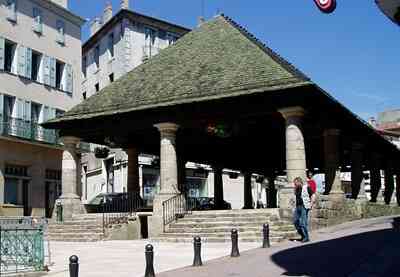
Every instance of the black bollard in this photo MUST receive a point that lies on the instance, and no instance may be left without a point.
(73, 266)
(149, 261)
(197, 251)
(235, 248)
(266, 243)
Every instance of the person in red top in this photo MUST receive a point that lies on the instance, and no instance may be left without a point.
(311, 183)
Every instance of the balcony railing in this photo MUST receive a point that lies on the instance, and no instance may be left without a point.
(16, 127)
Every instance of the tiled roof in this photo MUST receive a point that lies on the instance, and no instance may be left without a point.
(219, 59)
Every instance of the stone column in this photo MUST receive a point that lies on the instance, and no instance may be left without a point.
(389, 186)
(248, 197)
(398, 187)
(331, 155)
(356, 169)
(168, 175)
(218, 188)
(271, 192)
(295, 154)
(375, 178)
(168, 158)
(70, 178)
(133, 185)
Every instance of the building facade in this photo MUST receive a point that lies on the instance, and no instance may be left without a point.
(40, 58)
(119, 43)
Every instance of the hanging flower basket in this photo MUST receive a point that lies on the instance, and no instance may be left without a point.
(101, 152)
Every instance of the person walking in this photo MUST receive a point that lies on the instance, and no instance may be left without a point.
(305, 199)
(311, 183)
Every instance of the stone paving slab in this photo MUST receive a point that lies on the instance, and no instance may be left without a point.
(126, 258)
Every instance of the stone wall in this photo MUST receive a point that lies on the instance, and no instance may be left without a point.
(331, 211)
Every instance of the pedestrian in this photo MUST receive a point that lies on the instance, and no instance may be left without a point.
(311, 183)
(305, 199)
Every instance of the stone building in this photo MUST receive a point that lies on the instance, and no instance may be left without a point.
(40, 58)
(219, 96)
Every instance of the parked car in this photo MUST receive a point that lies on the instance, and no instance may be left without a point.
(206, 203)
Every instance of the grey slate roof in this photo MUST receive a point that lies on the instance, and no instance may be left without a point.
(217, 60)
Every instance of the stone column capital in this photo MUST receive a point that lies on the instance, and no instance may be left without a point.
(70, 141)
(331, 132)
(289, 112)
(167, 127)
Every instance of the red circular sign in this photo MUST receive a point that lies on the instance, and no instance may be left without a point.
(326, 6)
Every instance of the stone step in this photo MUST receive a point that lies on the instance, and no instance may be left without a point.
(79, 222)
(256, 215)
(174, 229)
(181, 224)
(74, 226)
(74, 230)
(226, 234)
(225, 219)
(239, 211)
(69, 235)
(69, 239)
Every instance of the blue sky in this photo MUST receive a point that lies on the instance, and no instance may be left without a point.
(353, 53)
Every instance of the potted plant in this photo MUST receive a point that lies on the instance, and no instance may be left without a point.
(101, 152)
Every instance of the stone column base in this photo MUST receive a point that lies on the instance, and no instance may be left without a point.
(71, 205)
(155, 222)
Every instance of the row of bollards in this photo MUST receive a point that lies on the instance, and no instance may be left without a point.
(149, 253)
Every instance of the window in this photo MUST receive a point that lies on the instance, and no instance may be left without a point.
(59, 113)
(37, 21)
(97, 56)
(149, 43)
(35, 113)
(84, 95)
(36, 60)
(59, 74)
(11, 10)
(84, 66)
(12, 191)
(111, 76)
(96, 87)
(111, 45)
(61, 32)
(9, 56)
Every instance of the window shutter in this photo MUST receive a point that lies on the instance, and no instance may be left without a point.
(20, 108)
(28, 112)
(1, 113)
(46, 70)
(28, 66)
(12, 10)
(52, 72)
(52, 113)
(2, 49)
(69, 78)
(21, 60)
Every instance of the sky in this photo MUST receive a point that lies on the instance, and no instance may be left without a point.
(354, 53)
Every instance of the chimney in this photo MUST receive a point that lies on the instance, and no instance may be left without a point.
(200, 21)
(372, 122)
(108, 13)
(125, 4)
(62, 3)
(95, 25)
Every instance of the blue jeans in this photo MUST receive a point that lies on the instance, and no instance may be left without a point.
(300, 221)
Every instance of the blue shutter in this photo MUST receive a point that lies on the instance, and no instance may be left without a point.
(2, 49)
(37, 20)
(46, 70)
(69, 78)
(21, 60)
(28, 64)
(61, 31)
(52, 72)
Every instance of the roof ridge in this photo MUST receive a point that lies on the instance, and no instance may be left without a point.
(274, 55)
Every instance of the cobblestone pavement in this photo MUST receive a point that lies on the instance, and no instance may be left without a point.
(368, 248)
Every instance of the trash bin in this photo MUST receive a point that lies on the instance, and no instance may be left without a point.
(59, 211)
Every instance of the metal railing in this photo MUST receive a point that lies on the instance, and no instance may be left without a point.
(21, 249)
(176, 207)
(116, 209)
(17, 127)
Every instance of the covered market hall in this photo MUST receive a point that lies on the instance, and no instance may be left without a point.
(219, 96)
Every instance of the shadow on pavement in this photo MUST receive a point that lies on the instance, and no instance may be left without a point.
(336, 257)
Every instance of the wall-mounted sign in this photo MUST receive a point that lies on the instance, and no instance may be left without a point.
(326, 6)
